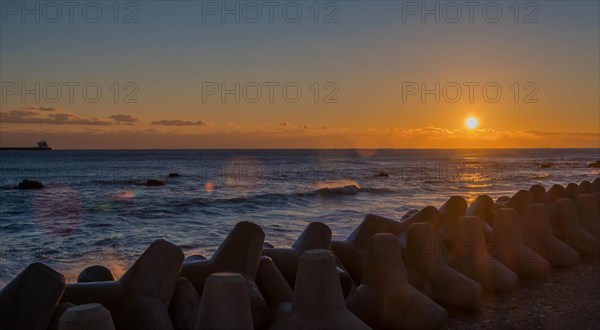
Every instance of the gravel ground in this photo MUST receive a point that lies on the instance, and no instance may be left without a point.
(567, 299)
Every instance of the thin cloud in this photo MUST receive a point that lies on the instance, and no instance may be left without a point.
(122, 118)
(178, 122)
(233, 125)
(35, 115)
(38, 108)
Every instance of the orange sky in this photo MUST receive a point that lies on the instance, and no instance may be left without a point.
(368, 80)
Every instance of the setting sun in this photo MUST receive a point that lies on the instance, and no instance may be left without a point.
(471, 122)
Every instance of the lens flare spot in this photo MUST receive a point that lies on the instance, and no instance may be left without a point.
(124, 195)
(104, 206)
(209, 186)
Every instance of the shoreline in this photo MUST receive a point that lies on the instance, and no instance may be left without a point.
(568, 299)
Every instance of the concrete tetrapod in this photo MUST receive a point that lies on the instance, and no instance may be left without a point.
(472, 259)
(29, 300)
(452, 209)
(538, 194)
(596, 185)
(58, 312)
(352, 251)
(318, 300)
(538, 235)
(427, 254)
(555, 192)
(316, 235)
(96, 273)
(385, 299)
(140, 298)
(239, 253)
(428, 214)
(586, 187)
(519, 201)
(566, 226)
(588, 214)
(225, 304)
(512, 250)
(572, 190)
(483, 207)
(274, 287)
(87, 316)
(184, 305)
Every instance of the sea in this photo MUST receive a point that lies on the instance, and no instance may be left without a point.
(96, 208)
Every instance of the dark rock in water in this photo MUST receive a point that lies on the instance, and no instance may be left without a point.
(383, 174)
(385, 299)
(29, 300)
(154, 183)
(87, 316)
(225, 303)
(174, 175)
(318, 299)
(545, 165)
(184, 305)
(267, 245)
(140, 298)
(58, 312)
(194, 257)
(595, 164)
(30, 184)
(239, 253)
(95, 273)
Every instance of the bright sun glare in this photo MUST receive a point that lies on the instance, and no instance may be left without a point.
(472, 122)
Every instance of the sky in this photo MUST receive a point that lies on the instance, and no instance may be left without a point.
(300, 74)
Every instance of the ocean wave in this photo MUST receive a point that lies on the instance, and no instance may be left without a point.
(351, 189)
(477, 185)
(268, 199)
(538, 176)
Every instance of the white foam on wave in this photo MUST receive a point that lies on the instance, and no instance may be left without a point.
(341, 187)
